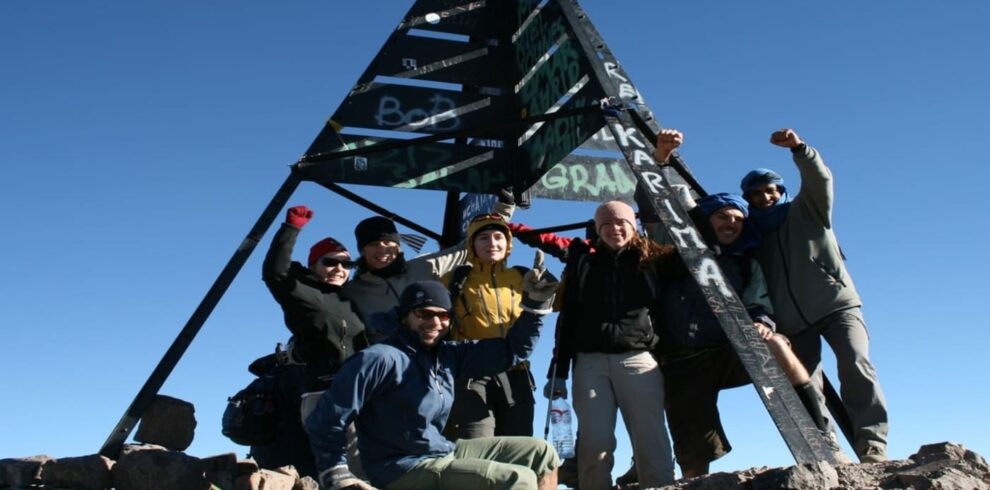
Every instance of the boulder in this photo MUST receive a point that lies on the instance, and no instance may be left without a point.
(82, 473)
(288, 470)
(819, 475)
(306, 483)
(168, 422)
(155, 469)
(21, 472)
(246, 467)
(221, 469)
(130, 448)
(264, 480)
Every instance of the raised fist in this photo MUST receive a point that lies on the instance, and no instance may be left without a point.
(786, 138)
(298, 216)
(667, 141)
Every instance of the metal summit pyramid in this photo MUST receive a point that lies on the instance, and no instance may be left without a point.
(474, 96)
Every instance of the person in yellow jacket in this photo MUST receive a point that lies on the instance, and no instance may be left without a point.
(486, 294)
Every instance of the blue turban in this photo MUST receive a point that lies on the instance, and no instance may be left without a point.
(749, 238)
(713, 202)
(759, 178)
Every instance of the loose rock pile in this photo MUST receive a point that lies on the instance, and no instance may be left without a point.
(945, 466)
(156, 463)
(148, 467)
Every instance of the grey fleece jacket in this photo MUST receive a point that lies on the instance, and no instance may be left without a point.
(801, 260)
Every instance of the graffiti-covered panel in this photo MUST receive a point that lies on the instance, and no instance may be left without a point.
(419, 110)
(584, 178)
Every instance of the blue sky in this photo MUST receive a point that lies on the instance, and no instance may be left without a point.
(140, 141)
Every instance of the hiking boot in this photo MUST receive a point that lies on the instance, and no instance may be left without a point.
(567, 474)
(833, 446)
(629, 477)
(873, 454)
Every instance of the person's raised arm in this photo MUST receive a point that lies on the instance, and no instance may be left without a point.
(275, 268)
(816, 192)
(551, 243)
(668, 140)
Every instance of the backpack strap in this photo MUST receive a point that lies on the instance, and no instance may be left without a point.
(458, 278)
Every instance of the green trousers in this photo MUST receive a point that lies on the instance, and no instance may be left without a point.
(487, 463)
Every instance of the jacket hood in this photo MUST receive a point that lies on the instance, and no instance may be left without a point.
(481, 222)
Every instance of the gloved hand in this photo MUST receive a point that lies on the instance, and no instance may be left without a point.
(523, 199)
(559, 389)
(539, 287)
(298, 216)
(340, 478)
(505, 195)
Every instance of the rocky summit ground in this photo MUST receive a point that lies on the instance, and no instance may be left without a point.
(160, 463)
(944, 466)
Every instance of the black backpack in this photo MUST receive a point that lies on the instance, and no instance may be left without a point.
(251, 415)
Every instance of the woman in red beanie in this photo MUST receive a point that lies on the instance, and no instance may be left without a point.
(326, 327)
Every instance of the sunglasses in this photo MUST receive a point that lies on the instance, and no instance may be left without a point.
(331, 262)
(424, 314)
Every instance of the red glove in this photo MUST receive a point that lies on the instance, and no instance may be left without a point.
(298, 216)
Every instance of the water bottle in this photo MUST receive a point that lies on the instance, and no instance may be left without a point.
(562, 434)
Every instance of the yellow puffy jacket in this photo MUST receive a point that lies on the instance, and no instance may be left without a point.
(490, 299)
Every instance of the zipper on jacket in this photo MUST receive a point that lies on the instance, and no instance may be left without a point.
(436, 379)
(613, 285)
(343, 339)
(498, 306)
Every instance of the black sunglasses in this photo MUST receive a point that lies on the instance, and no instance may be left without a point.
(424, 314)
(332, 262)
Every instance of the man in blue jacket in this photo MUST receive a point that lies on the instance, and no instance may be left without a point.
(399, 392)
(696, 357)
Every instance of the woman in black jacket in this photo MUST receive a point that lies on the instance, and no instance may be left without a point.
(606, 331)
(325, 325)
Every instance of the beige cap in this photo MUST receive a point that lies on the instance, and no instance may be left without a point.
(614, 210)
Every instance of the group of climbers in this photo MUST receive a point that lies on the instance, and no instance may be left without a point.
(416, 373)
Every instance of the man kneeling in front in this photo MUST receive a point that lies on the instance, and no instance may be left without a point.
(399, 392)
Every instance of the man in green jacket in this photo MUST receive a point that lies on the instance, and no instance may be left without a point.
(812, 293)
